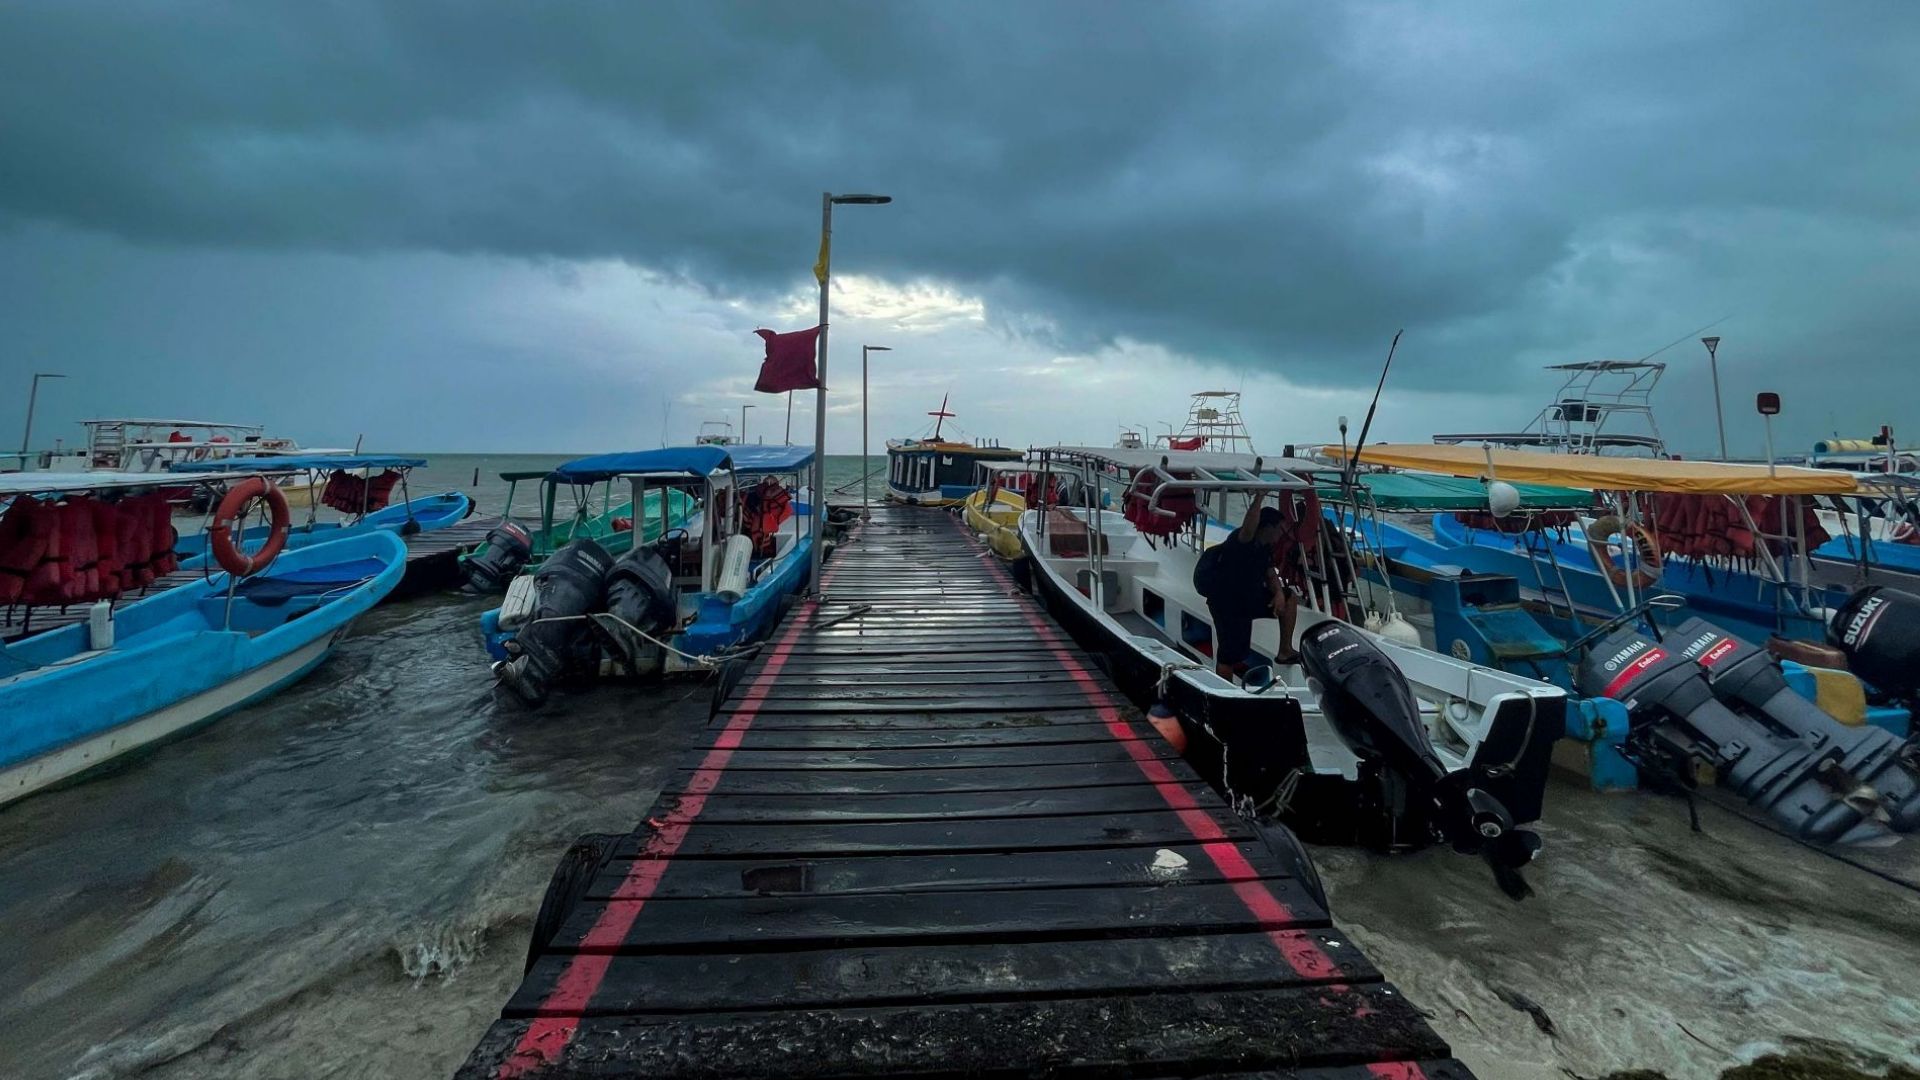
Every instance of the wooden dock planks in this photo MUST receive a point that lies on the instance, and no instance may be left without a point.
(929, 839)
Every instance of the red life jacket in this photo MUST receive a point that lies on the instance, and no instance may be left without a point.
(22, 543)
(380, 490)
(1180, 503)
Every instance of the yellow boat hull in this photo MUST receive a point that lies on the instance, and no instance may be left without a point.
(998, 524)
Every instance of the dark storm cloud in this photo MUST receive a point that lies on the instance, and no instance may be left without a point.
(1270, 184)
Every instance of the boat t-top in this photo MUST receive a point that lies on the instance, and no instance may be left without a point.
(1213, 423)
(1602, 407)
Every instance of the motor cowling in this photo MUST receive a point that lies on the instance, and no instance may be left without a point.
(508, 548)
(569, 587)
(1367, 702)
(1879, 630)
(640, 601)
(1677, 724)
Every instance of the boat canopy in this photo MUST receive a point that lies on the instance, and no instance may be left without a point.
(1206, 461)
(1605, 473)
(685, 461)
(297, 463)
(1405, 491)
(48, 483)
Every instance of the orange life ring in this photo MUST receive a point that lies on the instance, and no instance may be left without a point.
(221, 538)
(1904, 533)
(1647, 567)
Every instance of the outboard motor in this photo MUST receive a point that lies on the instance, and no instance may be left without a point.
(1368, 703)
(508, 548)
(640, 600)
(1744, 678)
(568, 587)
(1677, 723)
(1879, 630)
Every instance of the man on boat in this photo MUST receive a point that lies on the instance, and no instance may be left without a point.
(1240, 582)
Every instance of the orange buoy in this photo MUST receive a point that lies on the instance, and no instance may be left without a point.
(222, 537)
(1168, 725)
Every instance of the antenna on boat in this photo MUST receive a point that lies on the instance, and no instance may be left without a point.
(1353, 460)
(1681, 338)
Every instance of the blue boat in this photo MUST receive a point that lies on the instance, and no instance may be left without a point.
(405, 517)
(1677, 677)
(180, 658)
(715, 584)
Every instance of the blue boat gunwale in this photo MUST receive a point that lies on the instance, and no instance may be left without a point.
(170, 663)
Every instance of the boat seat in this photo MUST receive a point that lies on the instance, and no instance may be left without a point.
(1807, 653)
(1068, 535)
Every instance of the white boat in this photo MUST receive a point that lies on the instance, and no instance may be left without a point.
(1470, 758)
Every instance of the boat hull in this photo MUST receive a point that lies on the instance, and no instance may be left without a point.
(74, 760)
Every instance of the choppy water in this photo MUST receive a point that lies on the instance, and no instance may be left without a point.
(340, 882)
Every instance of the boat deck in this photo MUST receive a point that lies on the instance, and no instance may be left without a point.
(926, 838)
(433, 562)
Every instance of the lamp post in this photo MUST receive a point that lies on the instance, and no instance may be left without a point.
(743, 424)
(823, 271)
(1713, 362)
(33, 397)
(865, 514)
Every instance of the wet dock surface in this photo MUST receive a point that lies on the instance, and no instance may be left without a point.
(926, 838)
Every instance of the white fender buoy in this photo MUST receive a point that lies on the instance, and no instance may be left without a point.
(1502, 498)
(1400, 631)
(735, 560)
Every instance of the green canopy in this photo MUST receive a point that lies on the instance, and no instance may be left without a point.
(1428, 491)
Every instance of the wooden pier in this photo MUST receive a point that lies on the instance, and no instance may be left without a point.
(924, 837)
(433, 563)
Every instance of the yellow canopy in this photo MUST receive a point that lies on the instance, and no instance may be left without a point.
(1605, 473)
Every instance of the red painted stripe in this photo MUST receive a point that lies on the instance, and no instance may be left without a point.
(558, 1016)
(1301, 953)
(1397, 1070)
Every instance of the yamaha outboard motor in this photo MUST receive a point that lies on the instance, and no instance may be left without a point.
(1368, 703)
(1678, 724)
(508, 548)
(568, 588)
(1879, 630)
(1744, 678)
(640, 601)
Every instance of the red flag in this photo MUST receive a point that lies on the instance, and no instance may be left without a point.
(789, 363)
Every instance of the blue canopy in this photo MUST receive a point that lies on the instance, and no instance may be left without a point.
(688, 460)
(770, 459)
(297, 463)
(692, 460)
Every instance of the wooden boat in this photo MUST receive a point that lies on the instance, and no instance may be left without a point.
(1007, 488)
(682, 602)
(517, 546)
(1476, 741)
(936, 471)
(71, 700)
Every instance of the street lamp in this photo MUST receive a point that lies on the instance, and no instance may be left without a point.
(865, 514)
(823, 271)
(743, 424)
(33, 396)
(1713, 361)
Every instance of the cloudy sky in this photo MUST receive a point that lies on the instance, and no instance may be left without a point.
(506, 226)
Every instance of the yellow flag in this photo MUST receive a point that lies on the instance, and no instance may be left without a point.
(820, 267)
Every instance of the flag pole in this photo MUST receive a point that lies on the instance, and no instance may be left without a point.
(818, 501)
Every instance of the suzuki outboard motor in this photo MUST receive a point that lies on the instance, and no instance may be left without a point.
(1879, 630)
(1676, 721)
(1369, 705)
(1746, 679)
(640, 600)
(569, 587)
(508, 548)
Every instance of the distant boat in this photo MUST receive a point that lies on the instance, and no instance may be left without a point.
(936, 471)
(426, 513)
(70, 700)
(1213, 423)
